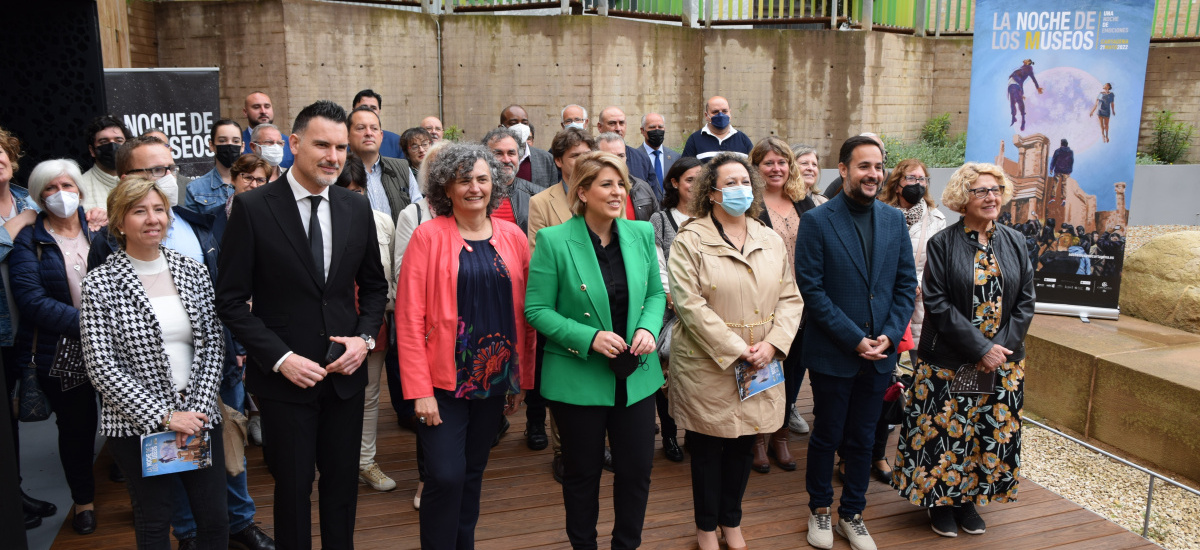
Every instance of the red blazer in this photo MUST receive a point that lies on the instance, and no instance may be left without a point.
(427, 304)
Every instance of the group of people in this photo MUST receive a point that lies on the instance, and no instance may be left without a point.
(477, 277)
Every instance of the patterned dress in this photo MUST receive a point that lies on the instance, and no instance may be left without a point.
(963, 448)
(485, 349)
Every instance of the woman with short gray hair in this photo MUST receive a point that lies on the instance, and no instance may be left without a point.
(466, 352)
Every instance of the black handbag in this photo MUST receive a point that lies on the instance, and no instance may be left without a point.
(34, 407)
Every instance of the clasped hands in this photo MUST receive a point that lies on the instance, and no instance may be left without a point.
(305, 372)
(993, 358)
(759, 355)
(873, 349)
(610, 344)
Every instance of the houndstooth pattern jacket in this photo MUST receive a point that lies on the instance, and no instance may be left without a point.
(123, 346)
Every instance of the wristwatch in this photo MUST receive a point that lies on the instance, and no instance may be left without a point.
(370, 340)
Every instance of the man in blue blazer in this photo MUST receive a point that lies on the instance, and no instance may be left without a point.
(854, 267)
(654, 132)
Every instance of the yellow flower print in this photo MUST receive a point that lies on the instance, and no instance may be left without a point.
(918, 441)
(947, 458)
(990, 461)
(920, 392)
(1001, 413)
(954, 429)
(923, 370)
(944, 501)
(952, 478)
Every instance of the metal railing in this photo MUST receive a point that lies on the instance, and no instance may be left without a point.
(1153, 475)
(1173, 19)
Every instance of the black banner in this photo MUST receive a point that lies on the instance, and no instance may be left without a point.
(183, 103)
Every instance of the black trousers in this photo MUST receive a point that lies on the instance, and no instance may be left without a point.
(793, 376)
(12, 375)
(75, 413)
(457, 451)
(535, 404)
(720, 470)
(154, 497)
(669, 428)
(630, 431)
(327, 433)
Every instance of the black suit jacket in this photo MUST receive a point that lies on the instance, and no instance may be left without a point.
(265, 257)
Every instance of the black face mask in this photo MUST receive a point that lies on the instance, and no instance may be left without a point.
(913, 193)
(106, 155)
(228, 154)
(654, 138)
(624, 364)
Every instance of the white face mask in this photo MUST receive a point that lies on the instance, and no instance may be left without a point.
(273, 154)
(170, 187)
(63, 204)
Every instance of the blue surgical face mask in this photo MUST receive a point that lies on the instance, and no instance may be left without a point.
(737, 200)
(720, 121)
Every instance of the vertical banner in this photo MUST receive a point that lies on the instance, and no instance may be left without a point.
(183, 103)
(1056, 101)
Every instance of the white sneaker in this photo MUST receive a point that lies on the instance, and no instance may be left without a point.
(254, 430)
(373, 476)
(417, 497)
(820, 529)
(796, 422)
(855, 531)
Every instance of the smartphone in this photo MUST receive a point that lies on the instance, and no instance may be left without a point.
(336, 349)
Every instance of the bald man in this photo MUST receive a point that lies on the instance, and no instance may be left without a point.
(718, 134)
(612, 119)
(258, 110)
(433, 125)
(537, 165)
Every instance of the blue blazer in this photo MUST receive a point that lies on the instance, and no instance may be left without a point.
(846, 303)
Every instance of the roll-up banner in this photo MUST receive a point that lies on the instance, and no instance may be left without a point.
(182, 102)
(1056, 102)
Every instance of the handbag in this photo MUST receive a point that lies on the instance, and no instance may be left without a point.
(234, 438)
(68, 363)
(34, 407)
(664, 338)
(906, 343)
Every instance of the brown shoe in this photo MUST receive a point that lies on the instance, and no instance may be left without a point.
(761, 464)
(779, 448)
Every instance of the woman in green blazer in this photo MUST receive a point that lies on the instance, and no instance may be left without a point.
(595, 296)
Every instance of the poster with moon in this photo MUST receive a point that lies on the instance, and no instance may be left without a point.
(1056, 102)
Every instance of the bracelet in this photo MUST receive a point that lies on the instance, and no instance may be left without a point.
(167, 424)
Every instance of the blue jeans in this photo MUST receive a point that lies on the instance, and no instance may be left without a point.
(845, 412)
(241, 507)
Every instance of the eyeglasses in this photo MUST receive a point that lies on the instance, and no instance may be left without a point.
(157, 171)
(424, 146)
(251, 179)
(983, 192)
(570, 120)
(916, 179)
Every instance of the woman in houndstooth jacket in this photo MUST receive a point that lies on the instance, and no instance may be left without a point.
(154, 350)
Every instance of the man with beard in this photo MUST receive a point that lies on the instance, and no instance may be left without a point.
(508, 148)
(259, 109)
(104, 136)
(856, 273)
(208, 193)
(306, 251)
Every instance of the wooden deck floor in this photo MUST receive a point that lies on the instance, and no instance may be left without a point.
(522, 507)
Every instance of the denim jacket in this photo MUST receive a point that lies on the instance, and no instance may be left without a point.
(207, 194)
(8, 328)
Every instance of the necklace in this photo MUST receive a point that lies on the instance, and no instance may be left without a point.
(74, 249)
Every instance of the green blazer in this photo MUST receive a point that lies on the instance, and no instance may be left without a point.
(567, 303)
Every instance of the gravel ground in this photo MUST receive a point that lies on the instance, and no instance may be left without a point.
(1138, 235)
(1110, 488)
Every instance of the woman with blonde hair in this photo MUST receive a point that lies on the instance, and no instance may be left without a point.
(959, 449)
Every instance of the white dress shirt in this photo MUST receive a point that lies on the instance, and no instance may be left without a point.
(304, 205)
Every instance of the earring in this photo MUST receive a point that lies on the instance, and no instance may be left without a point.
(121, 232)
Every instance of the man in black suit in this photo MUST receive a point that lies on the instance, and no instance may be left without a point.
(654, 133)
(299, 247)
(612, 119)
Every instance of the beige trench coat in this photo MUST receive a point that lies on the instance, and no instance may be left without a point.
(714, 284)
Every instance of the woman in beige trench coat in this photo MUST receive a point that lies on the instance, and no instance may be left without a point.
(737, 303)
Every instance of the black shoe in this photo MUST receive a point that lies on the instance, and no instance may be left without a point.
(504, 426)
(84, 522)
(556, 468)
(968, 519)
(607, 459)
(535, 437)
(39, 508)
(882, 476)
(115, 474)
(32, 521)
(672, 450)
(840, 470)
(188, 544)
(251, 538)
(941, 519)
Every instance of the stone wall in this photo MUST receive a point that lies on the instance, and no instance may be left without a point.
(815, 87)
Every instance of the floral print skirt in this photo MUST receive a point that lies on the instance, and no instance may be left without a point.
(960, 448)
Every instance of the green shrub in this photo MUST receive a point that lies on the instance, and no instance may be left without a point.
(936, 131)
(1143, 158)
(936, 148)
(453, 133)
(1171, 139)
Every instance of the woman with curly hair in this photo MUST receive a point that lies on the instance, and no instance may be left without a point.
(957, 448)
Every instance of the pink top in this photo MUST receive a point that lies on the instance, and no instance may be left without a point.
(427, 304)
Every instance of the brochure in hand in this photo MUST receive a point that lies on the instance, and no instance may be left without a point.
(751, 382)
(162, 455)
(970, 380)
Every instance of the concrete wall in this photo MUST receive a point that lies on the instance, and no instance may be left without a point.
(807, 86)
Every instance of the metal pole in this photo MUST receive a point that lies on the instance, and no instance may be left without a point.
(833, 16)
(566, 7)
(1149, 500)
(708, 13)
(868, 14)
(691, 13)
(937, 18)
(919, 11)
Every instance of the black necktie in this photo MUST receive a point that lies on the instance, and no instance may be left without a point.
(316, 242)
